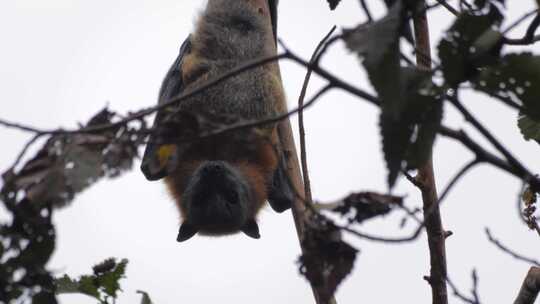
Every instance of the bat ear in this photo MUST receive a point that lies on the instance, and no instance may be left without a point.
(186, 232)
(251, 229)
(280, 192)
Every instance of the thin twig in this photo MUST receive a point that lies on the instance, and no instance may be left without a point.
(412, 179)
(142, 113)
(448, 7)
(509, 251)
(480, 153)
(529, 37)
(519, 21)
(485, 132)
(366, 10)
(460, 295)
(261, 122)
(303, 154)
(457, 177)
(24, 150)
(427, 213)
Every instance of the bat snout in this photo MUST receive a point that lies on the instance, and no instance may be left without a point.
(213, 170)
(217, 198)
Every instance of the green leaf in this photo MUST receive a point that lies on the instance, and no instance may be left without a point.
(105, 266)
(44, 297)
(423, 113)
(104, 283)
(378, 44)
(420, 150)
(38, 251)
(66, 284)
(88, 287)
(529, 127)
(467, 45)
(145, 297)
(516, 76)
(396, 135)
(109, 281)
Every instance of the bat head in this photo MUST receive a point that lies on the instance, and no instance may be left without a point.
(217, 200)
(235, 29)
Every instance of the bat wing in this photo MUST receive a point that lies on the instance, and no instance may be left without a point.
(152, 166)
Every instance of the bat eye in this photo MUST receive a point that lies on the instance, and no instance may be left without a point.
(242, 24)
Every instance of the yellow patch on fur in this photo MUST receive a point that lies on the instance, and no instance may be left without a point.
(164, 154)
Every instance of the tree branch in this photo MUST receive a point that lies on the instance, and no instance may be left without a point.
(517, 165)
(461, 296)
(509, 251)
(432, 218)
(530, 287)
(303, 156)
(529, 37)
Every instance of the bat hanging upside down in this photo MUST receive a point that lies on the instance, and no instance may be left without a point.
(221, 182)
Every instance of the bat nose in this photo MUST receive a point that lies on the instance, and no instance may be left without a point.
(213, 168)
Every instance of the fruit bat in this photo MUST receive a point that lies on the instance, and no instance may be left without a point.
(221, 182)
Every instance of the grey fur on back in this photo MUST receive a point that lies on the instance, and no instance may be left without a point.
(228, 34)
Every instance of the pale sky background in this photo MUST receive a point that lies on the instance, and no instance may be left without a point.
(63, 60)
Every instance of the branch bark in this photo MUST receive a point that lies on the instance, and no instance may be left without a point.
(530, 287)
(286, 139)
(435, 231)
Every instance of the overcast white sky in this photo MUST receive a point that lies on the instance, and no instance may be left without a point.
(63, 60)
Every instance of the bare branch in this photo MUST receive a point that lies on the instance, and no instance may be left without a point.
(448, 7)
(509, 251)
(517, 165)
(530, 287)
(519, 21)
(366, 10)
(460, 295)
(303, 155)
(457, 177)
(529, 37)
(426, 176)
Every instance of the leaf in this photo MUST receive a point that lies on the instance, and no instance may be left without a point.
(44, 297)
(38, 251)
(109, 281)
(65, 165)
(68, 164)
(429, 122)
(516, 76)
(396, 136)
(529, 128)
(327, 260)
(486, 42)
(105, 266)
(145, 297)
(378, 44)
(104, 283)
(66, 284)
(398, 88)
(467, 45)
(88, 287)
(398, 142)
(359, 207)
